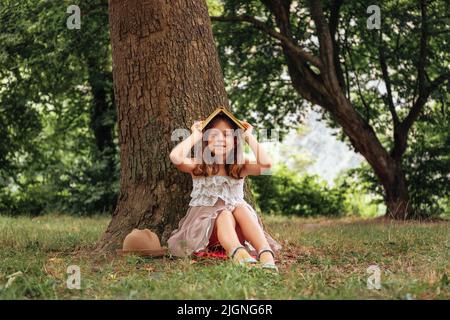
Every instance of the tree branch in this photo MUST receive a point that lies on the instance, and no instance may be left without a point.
(387, 81)
(358, 85)
(334, 24)
(421, 72)
(425, 87)
(422, 99)
(308, 83)
(326, 47)
(285, 41)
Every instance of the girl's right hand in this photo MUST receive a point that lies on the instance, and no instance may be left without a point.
(196, 127)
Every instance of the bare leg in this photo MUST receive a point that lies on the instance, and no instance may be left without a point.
(228, 237)
(252, 231)
(226, 231)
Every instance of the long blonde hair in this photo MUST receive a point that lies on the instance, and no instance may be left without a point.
(232, 169)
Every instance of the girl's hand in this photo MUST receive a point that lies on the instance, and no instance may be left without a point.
(195, 128)
(248, 129)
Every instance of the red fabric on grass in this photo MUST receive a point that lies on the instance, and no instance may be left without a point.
(214, 250)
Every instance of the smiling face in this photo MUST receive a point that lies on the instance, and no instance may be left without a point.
(220, 138)
(222, 144)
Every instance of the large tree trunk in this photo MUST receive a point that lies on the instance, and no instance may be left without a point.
(396, 194)
(166, 75)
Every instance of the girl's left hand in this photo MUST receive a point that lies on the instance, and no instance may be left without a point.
(248, 128)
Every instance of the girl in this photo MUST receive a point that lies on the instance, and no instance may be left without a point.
(218, 216)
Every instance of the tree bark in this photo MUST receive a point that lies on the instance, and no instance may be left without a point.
(396, 193)
(166, 75)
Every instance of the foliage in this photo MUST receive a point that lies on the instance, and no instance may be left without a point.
(49, 156)
(359, 198)
(255, 72)
(287, 192)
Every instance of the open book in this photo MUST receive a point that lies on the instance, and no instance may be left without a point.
(226, 113)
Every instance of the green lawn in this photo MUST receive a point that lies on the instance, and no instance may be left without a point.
(325, 259)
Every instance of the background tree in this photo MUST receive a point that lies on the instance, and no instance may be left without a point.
(374, 84)
(426, 165)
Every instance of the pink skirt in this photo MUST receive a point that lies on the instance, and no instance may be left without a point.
(196, 231)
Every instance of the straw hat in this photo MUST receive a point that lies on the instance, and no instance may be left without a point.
(143, 243)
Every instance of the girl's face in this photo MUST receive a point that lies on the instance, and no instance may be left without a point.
(220, 138)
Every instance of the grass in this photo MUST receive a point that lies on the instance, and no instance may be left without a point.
(322, 259)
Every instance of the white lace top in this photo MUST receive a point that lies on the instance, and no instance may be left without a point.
(207, 190)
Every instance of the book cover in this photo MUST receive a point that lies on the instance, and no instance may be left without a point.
(222, 110)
